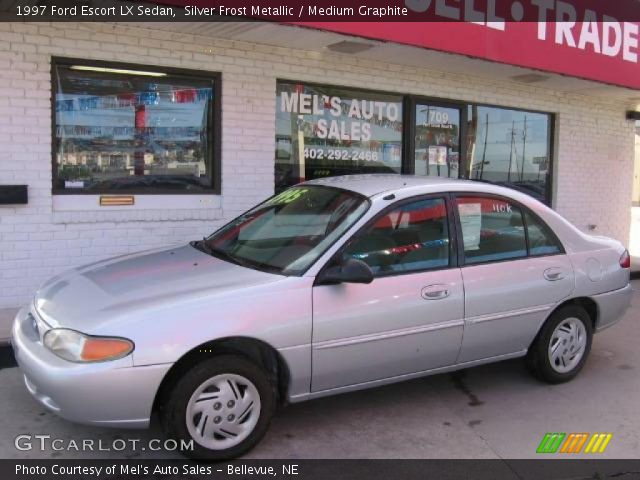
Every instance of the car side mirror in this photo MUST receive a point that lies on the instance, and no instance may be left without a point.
(350, 271)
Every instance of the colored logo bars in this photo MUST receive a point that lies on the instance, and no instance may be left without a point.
(574, 443)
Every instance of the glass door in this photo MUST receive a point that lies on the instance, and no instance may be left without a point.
(436, 140)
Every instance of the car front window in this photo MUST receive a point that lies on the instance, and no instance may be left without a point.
(287, 233)
(413, 237)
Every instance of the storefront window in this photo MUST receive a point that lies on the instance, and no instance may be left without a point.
(326, 131)
(510, 147)
(437, 141)
(132, 129)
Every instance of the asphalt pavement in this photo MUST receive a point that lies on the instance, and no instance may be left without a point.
(492, 411)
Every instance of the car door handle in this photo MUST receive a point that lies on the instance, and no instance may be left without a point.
(554, 274)
(435, 292)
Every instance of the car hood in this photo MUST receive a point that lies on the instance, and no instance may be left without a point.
(88, 296)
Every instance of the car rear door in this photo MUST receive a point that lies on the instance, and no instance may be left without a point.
(410, 318)
(514, 271)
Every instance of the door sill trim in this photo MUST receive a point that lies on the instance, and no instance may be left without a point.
(400, 378)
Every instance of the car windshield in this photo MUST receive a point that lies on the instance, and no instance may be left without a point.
(290, 231)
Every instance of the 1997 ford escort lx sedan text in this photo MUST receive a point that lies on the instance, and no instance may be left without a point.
(333, 285)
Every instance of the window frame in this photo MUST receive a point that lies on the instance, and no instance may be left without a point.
(409, 151)
(549, 185)
(451, 225)
(410, 101)
(523, 209)
(402, 100)
(214, 129)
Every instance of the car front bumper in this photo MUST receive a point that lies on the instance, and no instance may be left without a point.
(112, 393)
(612, 306)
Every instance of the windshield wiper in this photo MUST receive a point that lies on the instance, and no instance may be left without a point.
(205, 247)
(202, 245)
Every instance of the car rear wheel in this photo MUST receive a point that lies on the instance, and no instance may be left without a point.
(224, 404)
(561, 348)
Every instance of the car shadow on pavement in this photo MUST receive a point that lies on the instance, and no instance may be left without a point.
(418, 418)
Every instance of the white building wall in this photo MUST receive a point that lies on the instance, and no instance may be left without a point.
(594, 142)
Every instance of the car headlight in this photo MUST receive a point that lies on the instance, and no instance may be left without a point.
(78, 347)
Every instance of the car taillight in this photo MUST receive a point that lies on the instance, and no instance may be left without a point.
(625, 260)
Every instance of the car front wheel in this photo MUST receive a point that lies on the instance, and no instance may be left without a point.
(224, 404)
(561, 348)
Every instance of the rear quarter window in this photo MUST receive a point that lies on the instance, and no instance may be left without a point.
(542, 241)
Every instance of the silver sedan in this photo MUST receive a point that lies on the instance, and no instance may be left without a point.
(331, 286)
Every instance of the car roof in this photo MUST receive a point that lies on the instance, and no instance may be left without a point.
(370, 185)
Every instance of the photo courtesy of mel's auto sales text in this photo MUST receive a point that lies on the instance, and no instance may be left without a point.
(311, 240)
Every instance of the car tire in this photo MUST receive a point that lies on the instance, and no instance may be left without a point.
(224, 404)
(562, 346)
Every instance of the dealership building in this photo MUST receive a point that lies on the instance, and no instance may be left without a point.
(122, 137)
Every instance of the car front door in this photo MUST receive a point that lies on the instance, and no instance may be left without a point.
(410, 318)
(514, 270)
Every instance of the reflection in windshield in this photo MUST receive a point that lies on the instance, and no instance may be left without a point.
(288, 232)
